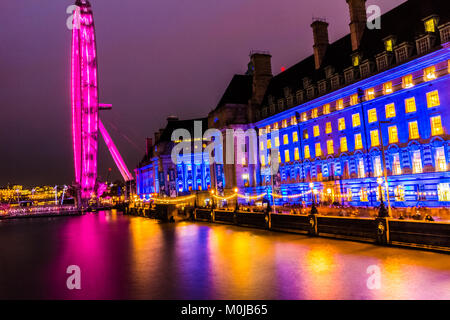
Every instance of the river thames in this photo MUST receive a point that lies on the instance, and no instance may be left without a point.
(123, 257)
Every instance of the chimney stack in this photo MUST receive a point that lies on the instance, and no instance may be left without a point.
(320, 33)
(260, 62)
(358, 21)
(149, 145)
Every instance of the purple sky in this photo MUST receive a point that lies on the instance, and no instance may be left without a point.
(156, 58)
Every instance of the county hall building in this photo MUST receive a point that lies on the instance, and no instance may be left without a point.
(374, 91)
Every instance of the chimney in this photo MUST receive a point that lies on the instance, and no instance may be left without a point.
(262, 73)
(358, 21)
(320, 33)
(149, 146)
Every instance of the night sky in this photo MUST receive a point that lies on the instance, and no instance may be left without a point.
(156, 58)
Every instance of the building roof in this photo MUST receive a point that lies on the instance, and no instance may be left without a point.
(239, 91)
(404, 22)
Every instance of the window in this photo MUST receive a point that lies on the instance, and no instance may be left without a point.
(275, 126)
(382, 62)
(445, 34)
(293, 120)
(316, 131)
(284, 123)
(286, 156)
(340, 104)
(396, 168)
(358, 141)
(353, 99)
(285, 139)
(423, 45)
(307, 154)
(328, 127)
(390, 110)
(326, 109)
(361, 171)
(433, 99)
(314, 113)
(387, 87)
(430, 26)
(277, 141)
(341, 124)
(344, 147)
(269, 144)
(296, 154)
(410, 105)
(441, 164)
(374, 138)
(304, 116)
(377, 171)
(268, 129)
(407, 81)
(305, 134)
(399, 193)
(372, 113)
(413, 130)
(318, 150)
(295, 136)
(401, 54)
(363, 195)
(417, 162)
(335, 82)
(436, 126)
(330, 147)
(429, 73)
(261, 145)
(263, 161)
(365, 70)
(444, 191)
(393, 134)
(355, 61)
(370, 94)
(388, 45)
(356, 120)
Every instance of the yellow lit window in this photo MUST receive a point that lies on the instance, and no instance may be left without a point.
(393, 134)
(314, 113)
(269, 144)
(268, 129)
(328, 127)
(263, 161)
(316, 131)
(307, 154)
(363, 194)
(286, 156)
(429, 73)
(407, 81)
(295, 136)
(344, 147)
(340, 104)
(410, 105)
(296, 154)
(318, 150)
(417, 162)
(341, 123)
(444, 191)
(279, 158)
(356, 120)
(330, 148)
(388, 45)
(433, 99)
(361, 172)
(285, 139)
(353, 99)
(370, 94)
(429, 25)
(387, 87)
(326, 109)
(293, 120)
(374, 138)
(441, 163)
(436, 126)
(304, 116)
(356, 61)
(277, 141)
(390, 110)
(275, 126)
(261, 145)
(413, 130)
(358, 141)
(372, 113)
(284, 123)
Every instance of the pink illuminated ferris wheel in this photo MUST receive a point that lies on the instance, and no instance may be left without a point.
(85, 104)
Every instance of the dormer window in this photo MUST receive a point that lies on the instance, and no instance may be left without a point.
(430, 23)
(300, 96)
(272, 108)
(349, 75)
(355, 60)
(323, 87)
(423, 45)
(306, 82)
(403, 52)
(329, 70)
(364, 69)
(382, 62)
(280, 104)
(287, 92)
(389, 45)
(310, 92)
(444, 31)
(335, 82)
(290, 101)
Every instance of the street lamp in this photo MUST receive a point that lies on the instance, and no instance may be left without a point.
(237, 204)
(384, 167)
(382, 212)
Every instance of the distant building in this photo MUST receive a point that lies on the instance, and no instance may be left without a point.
(337, 110)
